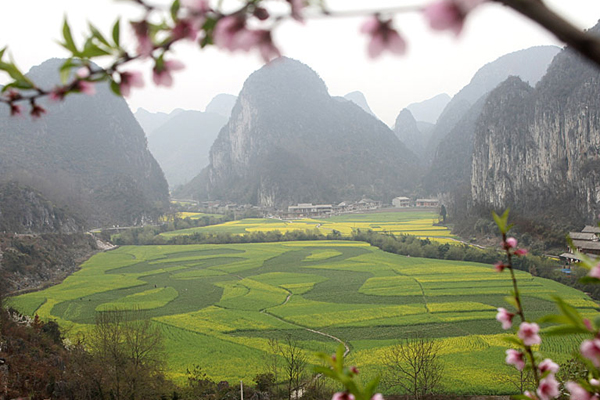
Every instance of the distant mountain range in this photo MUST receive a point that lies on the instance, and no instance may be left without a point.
(289, 141)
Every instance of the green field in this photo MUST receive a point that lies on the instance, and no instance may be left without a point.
(218, 305)
(416, 223)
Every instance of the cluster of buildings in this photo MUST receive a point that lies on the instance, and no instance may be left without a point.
(587, 242)
(324, 210)
(403, 202)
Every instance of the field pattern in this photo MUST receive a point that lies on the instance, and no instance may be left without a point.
(416, 223)
(218, 305)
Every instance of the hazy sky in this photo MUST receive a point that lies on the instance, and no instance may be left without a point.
(435, 62)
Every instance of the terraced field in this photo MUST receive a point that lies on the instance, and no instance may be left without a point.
(218, 305)
(417, 223)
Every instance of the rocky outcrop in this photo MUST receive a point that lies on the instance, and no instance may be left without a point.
(360, 100)
(429, 110)
(529, 64)
(407, 130)
(289, 141)
(222, 104)
(88, 154)
(538, 150)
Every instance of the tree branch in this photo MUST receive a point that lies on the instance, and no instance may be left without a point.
(586, 44)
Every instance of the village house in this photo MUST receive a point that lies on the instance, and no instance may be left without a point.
(427, 203)
(401, 202)
(585, 242)
(308, 209)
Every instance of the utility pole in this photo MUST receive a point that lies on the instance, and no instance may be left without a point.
(241, 390)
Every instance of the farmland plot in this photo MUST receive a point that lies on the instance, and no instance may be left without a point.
(218, 305)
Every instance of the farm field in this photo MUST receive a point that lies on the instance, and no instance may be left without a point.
(409, 222)
(218, 305)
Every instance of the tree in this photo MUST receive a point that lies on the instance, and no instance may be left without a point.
(443, 213)
(129, 347)
(414, 366)
(294, 366)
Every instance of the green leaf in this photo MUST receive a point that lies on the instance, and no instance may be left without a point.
(513, 340)
(69, 43)
(175, 9)
(90, 50)
(554, 319)
(569, 311)
(23, 85)
(114, 86)
(116, 33)
(96, 33)
(2, 53)
(564, 330)
(512, 301)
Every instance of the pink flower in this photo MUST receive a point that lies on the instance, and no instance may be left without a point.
(505, 318)
(129, 80)
(590, 349)
(595, 271)
(264, 41)
(528, 333)
(516, 358)
(354, 370)
(383, 37)
(161, 74)
(297, 6)
(377, 396)
(185, 29)
(85, 87)
(342, 396)
(577, 391)
(548, 388)
(196, 6)
(594, 382)
(145, 46)
(82, 73)
(548, 365)
(520, 252)
(15, 109)
(230, 33)
(511, 243)
(37, 111)
(449, 14)
(499, 266)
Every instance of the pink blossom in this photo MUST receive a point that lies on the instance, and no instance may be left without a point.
(594, 382)
(82, 73)
(130, 79)
(449, 14)
(342, 396)
(383, 37)
(37, 111)
(548, 365)
(516, 358)
(520, 252)
(588, 324)
(264, 41)
(85, 87)
(354, 370)
(590, 349)
(185, 29)
(15, 109)
(528, 333)
(377, 396)
(297, 6)
(595, 271)
(161, 75)
(196, 6)
(577, 391)
(142, 34)
(499, 266)
(548, 388)
(230, 33)
(57, 94)
(511, 243)
(505, 318)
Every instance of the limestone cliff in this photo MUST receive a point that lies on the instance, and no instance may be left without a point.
(409, 133)
(538, 150)
(289, 141)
